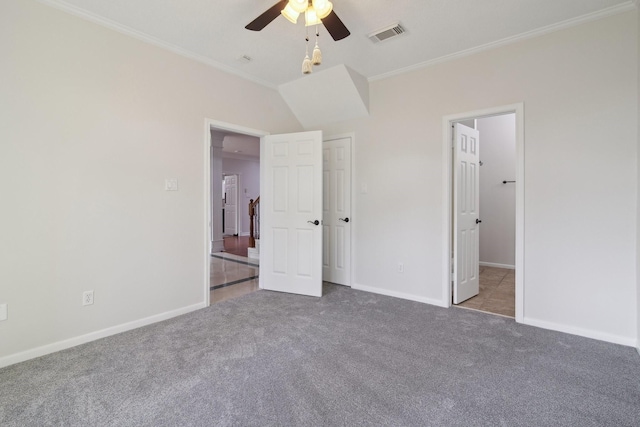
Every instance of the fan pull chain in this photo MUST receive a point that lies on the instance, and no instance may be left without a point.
(317, 54)
(307, 67)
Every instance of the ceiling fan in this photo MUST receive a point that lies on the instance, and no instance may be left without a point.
(316, 12)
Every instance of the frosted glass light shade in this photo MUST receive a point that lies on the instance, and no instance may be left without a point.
(322, 8)
(299, 5)
(289, 13)
(311, 18)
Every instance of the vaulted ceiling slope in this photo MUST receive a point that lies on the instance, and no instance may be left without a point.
(213, 30)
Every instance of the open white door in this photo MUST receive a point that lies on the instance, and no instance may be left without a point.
(336, 223)
(291, 213)
(231, 205)
(466, 245)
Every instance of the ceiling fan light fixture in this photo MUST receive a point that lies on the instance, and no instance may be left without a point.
(333, 24)
(322, 8)
(314, 12)
(290, 13)
(311, 18)
(299, 6)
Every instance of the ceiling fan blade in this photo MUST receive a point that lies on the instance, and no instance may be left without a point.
(263, 20)
(335, 27)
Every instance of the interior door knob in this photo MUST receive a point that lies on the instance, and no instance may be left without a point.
(344, 219)
(316, 222)
(478, 221)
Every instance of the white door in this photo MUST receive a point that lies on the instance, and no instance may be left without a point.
(336, 218)
(231, 205)
(466, 245)
(291, 213)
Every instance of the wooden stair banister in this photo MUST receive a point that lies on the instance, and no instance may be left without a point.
(254, 221)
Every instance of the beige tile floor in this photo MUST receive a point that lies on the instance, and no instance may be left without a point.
(231, 277)
(497, 292)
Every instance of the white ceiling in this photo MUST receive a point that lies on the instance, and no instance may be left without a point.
(213, 30)
(240, 146)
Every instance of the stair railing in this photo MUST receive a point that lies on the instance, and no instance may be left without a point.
(254, 221)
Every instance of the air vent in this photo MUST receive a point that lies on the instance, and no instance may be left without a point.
(387, 33)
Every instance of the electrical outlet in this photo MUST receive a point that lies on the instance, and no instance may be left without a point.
(400, 267)
(87, 298)
(3, 312)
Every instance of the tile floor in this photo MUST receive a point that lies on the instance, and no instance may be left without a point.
(497, 292)
(232, 276)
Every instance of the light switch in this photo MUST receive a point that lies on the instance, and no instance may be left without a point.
(171, 184)
(3, 312)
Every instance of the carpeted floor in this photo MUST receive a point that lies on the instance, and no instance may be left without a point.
(349, 358)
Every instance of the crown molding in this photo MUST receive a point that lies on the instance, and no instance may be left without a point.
(81, 13)
(123, 29)
(239, 156)
(604, 13)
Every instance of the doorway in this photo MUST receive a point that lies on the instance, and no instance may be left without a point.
(337, 218)
(213, 145)
(498, 266)
(227, 274)
(496, 227)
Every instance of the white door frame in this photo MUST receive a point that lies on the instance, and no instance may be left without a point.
(447, 193)
(208, 125)
(352, 137)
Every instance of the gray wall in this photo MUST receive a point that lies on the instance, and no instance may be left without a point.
(579, 90)
(91, 124)
(89, 135)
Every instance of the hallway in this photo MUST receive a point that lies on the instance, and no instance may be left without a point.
(232, 276)
(236, 245)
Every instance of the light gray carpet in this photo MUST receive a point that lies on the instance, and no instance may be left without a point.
(349, 358)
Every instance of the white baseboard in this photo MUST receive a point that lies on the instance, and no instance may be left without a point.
(493, 264)
(615, 339)
(253, 253)
(244, 233)
(92, 336)
(402, 295)
(217, 246)
(587, 333)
